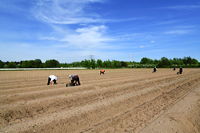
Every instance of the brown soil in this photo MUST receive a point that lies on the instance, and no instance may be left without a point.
(122, 100)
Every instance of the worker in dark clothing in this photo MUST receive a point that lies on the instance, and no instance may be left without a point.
(174, 68)
(75, 81)
(180, 70)
(154, 69)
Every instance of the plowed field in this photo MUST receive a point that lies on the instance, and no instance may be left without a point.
(122, 100)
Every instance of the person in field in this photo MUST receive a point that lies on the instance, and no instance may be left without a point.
(180, 70)
(75, 81)
(102, 71)
(52, 80)
(154, 69)
(174, 68)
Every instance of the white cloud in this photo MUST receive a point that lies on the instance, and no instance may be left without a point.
(85, 35)
(48, 38)
(88, 34)
(169, 22)
(88, 37)
(65, 11)
(72, 12)
(141, 46)
(185, 7)
(84, 38)
(177, 32)
(181, 30)
(122, 20)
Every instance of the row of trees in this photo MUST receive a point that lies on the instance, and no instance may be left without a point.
(37, 63)
(98, 64)
(54, 63)
(145, 62)
(165, 62)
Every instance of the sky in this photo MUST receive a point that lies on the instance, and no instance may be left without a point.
(74, 30)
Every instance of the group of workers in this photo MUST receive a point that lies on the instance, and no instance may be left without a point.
(75, 81)
(179, 72)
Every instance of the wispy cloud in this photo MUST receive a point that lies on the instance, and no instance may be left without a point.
(169, 22)
(84, 38)
(185, 7)
(181, 29)
(72, 12)
(177, 32)
(123, 20)
(65, 11)
(88, 32)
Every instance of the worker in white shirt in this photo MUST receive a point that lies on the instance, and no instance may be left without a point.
(52, 80)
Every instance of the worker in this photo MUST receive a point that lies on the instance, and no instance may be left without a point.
(154, 69)
(52, 80)
(180, 70)
(174, 68)
(75, 81)
(102, 71)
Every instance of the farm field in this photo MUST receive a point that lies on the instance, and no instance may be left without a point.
(122, 100)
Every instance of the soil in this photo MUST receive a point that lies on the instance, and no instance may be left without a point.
(121, 100)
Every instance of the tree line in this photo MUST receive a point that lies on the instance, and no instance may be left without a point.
(92, 64)
(175, 62)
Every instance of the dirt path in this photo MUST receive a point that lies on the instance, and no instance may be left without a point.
(123, 100)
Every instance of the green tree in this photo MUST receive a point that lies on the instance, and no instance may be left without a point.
(155, 62)
(51, 63)
(76, 64)
(176, 62)
(1, 64)
(37, 63)
(27, 64)
(86, 63)
(146, 61)
(99, 63)
(195, 61)
(124, 64)
(164, 62)
(115, 64)
(187, 60)
(11, 65)
(93, 63)
(107, 64)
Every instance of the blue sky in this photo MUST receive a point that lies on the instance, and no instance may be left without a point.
(72, 30)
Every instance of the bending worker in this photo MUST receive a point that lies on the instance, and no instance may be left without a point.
(102, 71)
(52, 80)
(74, 80)
(180, 70)
(154, 69)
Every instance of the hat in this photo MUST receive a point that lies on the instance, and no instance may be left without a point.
(70, 76)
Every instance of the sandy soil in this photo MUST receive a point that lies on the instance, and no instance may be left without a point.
(183, 117)
(122, 100)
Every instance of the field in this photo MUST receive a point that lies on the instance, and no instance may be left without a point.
(122, 100)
